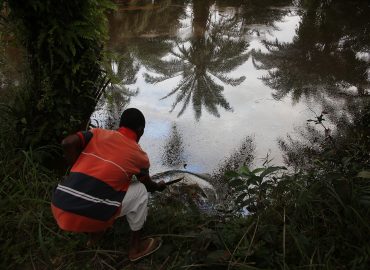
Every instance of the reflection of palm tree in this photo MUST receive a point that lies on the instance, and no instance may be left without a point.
(138, 34)
(243, 156)
(116, 100)
(123, 67)
(144, 20)
(209, 58)
(258, 12)
(143, 29)
(173, 154)
(322, 62)
(351, 135)
(148, 52)
(199, 66)
(129, 52)
(136, 38)
(309, 72)
(122, 70)
(322, 57)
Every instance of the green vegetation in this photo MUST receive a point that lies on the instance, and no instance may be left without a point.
(315, 217)
(63, 44)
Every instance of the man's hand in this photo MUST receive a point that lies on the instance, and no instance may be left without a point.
(161, 186)
(72, 148)
(150, 185)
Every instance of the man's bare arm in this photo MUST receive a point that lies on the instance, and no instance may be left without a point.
(72, 148)
(151, 185)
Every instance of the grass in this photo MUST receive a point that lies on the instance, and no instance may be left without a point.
(316, 218)
(306, 226)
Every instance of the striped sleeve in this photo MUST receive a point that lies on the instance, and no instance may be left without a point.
(85, 137)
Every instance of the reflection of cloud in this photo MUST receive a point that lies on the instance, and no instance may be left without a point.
(285, 32)
(286, 29)
(157, 129)
(210, 140)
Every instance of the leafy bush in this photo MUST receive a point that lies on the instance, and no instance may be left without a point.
(317, 217)
(64, 51)
(313, 220)
(252, 188)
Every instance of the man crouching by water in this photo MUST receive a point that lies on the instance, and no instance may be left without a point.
(99, 187)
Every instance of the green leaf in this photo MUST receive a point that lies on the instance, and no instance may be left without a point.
(364, 174)
(241, 188)
(240, 198)
(245, 202)
(236, 182)
(258, 170)
(244, 170)
(254, 180)
(72, 48)
(231, 174)
(270, 170)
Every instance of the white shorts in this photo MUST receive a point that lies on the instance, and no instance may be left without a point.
(135, 206)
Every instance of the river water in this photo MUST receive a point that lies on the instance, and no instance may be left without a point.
(222, 82)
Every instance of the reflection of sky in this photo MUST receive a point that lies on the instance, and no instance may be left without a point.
(208, 141)
(364, 56)
(287, 26)
(211, 139)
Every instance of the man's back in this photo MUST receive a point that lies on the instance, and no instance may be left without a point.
(90, 198)
(112, 156)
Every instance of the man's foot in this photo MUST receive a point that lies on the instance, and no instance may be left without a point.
(147, 247)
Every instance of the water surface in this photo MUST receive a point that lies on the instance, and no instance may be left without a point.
(220, 82)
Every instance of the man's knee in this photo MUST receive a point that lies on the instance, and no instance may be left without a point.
(142, 193)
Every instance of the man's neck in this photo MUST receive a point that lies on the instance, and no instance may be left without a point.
(129, 133)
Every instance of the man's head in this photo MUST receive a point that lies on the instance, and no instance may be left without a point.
(133, 119)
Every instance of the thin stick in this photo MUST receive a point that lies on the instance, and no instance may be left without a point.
(218, 264)
(237, 246)
(177, 235)
(174, 260)
(284, 231)
(252, 240)
(94, 250)
(33, 265)
(223, 242)
(165, 261)
(108, 265)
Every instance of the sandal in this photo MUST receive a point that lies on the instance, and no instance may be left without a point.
(153, 245)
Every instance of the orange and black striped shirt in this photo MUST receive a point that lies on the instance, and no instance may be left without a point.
(89, 199)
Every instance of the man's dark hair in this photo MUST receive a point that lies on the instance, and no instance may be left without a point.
(133, 119)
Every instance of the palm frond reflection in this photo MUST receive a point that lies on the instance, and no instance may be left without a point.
(204, 62)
